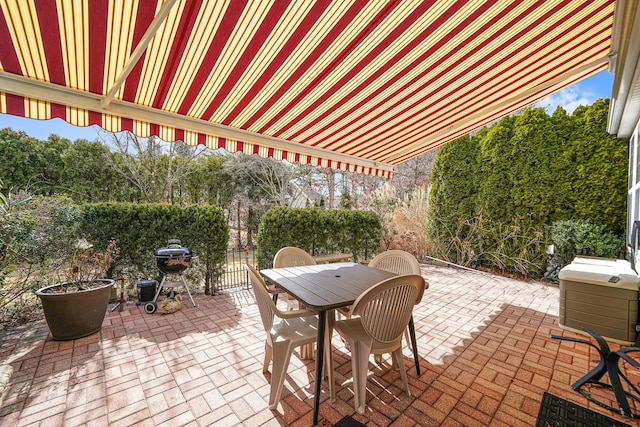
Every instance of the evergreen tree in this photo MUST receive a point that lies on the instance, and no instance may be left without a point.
(532, 167)
(494, 197)
(21, 159)
(208, 182)
(52, 167)
(600, 163)
(564, 127)
(86, 176)
(530, 171)
(455, 186)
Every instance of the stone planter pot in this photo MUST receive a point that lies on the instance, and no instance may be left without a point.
(75, 314)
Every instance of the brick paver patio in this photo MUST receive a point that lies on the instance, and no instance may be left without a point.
(486, 359)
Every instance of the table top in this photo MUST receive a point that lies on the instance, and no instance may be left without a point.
(326, 286)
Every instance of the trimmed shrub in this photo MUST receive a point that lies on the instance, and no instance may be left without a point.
(140, 229)
(318, 232)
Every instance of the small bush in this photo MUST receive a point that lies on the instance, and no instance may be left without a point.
(576, 237)
(411, 217)
(35, 233)
(404, 220)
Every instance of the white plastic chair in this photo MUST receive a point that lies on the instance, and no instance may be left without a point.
(291, 256)
(296, 328)
(400, 262)
(384, 312)
(396, 261)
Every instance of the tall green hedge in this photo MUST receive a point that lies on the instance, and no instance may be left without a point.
(140, 229)
(526, 172)
(455, 185)
(495, 183)
(600, 164)
(318, 232)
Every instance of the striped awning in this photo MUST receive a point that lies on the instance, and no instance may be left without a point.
(348, 84)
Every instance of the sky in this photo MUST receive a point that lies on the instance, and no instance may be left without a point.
(584, 92)
(581, 93)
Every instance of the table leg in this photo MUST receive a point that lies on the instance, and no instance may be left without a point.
(412, 334)
(322, 320)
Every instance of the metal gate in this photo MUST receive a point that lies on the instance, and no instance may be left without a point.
(234, 276)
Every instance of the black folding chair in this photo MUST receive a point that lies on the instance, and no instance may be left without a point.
(608, 364)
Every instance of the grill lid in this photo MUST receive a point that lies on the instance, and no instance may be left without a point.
(173, 250)
(174, 258)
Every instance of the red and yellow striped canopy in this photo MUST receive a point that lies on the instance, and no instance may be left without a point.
(348, 84)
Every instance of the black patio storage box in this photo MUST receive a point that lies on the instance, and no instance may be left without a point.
(601, 294)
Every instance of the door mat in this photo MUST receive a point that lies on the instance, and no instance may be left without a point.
(557, 412)
(347, 421)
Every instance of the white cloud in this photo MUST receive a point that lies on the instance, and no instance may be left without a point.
(585, 92)
(569, 99)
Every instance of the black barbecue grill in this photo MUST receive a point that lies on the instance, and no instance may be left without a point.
(174, 258)
(172, 261)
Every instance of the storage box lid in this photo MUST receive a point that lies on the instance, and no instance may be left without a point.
(601, 271)
(607, 262)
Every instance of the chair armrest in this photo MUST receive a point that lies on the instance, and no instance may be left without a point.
(274, 290)
(295, 313)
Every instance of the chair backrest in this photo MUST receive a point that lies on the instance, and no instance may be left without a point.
(396, 261)
(385, 309)
(291, 256)
(265, 304)
(399, 262)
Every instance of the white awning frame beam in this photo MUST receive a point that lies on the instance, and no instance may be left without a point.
(624, 110)
(49, 92)
(139, 50)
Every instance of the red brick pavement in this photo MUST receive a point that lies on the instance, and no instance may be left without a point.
(486, 359)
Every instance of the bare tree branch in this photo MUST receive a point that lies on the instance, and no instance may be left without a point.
(151, 165)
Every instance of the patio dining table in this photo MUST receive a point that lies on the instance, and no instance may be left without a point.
(322, 288)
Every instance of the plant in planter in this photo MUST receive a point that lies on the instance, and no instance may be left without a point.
(76, 307)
